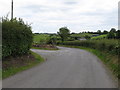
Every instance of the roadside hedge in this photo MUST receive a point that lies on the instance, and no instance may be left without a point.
(111, 46)
(16, 37)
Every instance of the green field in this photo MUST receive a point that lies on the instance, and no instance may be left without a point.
(82, 35)
(41, 38)
(100, 37)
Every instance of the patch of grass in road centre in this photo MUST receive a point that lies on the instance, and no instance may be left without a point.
(107, 58)
(45, 48)
(25, 64)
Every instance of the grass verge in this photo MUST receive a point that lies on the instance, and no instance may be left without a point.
(26, 64)
(110, 60)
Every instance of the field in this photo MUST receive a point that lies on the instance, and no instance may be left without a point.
(41, 38)
(82, 35)
(43, 41)
(100, 37)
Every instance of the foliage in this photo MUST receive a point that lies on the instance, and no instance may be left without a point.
(87, 37)
(52, 39)
(64, 33)
(105, 32)
(71, 38)
(111, 35)
(16, 36)
(113, 30)
(118, 34)
(111, 46)
(99, 32)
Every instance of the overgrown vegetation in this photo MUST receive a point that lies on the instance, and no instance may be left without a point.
(17, 37)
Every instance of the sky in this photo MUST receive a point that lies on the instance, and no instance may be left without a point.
(47, 16)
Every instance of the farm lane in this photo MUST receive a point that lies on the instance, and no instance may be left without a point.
(64, 68)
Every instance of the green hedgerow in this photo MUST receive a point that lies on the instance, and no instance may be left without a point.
(17, 37)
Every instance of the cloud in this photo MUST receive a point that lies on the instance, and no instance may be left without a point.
(78, 15)
(70, 3)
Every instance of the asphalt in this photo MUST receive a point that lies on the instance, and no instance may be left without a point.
(64, 68)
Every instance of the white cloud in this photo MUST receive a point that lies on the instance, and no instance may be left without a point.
(78, 15)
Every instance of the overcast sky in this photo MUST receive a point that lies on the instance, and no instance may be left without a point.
(47, 16)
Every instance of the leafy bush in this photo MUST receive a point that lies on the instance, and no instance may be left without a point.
(111, 35)
(16, 37)
(118, 34)
(102, 45)
(52, 39)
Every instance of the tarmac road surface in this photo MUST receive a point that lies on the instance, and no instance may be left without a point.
(64, 68)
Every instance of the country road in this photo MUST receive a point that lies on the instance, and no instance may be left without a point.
(64, 68)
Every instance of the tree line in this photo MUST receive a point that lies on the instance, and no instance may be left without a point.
(64, 33)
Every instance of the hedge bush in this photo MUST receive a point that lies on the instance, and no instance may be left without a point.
(16, 37)
(111, 46)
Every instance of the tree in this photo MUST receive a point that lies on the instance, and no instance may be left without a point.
(105, 32)
(73, 33)
(99, 31)
(64, 33)
(118, 34)
(111, 35)
(113, 30)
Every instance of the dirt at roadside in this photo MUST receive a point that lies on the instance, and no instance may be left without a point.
(17, 61)
(50, 46)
